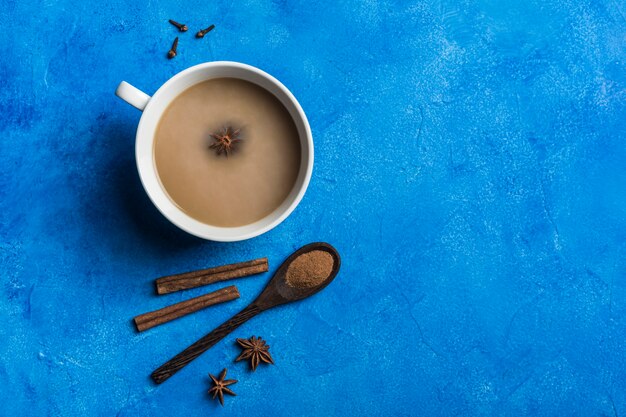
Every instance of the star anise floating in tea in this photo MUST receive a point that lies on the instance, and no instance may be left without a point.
(220, 386)
(256, 350)
(226, 140)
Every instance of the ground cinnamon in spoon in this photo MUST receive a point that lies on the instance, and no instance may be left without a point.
(310, 269)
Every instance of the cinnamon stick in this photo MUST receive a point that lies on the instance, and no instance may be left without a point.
(154, 318)
(171, 283)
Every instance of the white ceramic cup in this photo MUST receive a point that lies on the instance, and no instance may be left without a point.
(153, 108)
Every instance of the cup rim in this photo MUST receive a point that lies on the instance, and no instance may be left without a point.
(177, 216)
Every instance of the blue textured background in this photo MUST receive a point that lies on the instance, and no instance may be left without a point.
(470, 169)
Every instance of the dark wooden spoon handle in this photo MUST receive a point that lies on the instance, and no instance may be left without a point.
(192, 352)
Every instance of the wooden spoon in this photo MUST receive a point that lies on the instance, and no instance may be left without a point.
(276, 292)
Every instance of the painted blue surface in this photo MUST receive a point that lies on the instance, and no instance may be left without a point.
(470, 169)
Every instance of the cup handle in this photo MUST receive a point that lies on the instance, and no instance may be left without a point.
(132, 95)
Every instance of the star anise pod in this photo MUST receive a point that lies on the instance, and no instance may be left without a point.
(220, 386)
(256, 350)
(226, 140)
